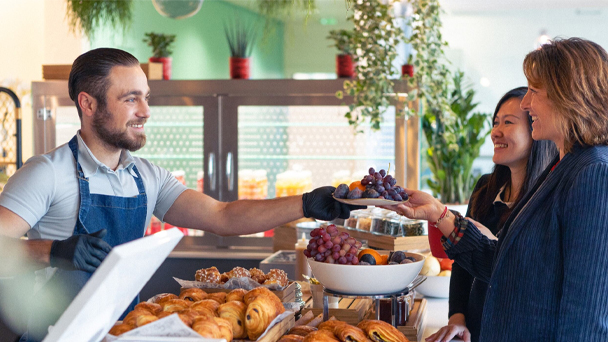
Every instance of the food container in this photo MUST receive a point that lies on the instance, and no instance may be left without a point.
(392, 224)
(351, 222)
(411, 227)
(364, 221)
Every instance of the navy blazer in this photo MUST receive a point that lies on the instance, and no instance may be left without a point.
(548, 274)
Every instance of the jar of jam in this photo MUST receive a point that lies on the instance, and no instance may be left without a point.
(402, 312)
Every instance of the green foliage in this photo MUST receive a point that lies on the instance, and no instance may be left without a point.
(454, 142)
(274, 8)
(453, 132)
(373, 42)
(160, 43)
(241, 38)
(88, 16)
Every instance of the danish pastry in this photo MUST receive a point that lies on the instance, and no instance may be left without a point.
(260, 312)
(301, 330)
(208, 275)
(192, 294)
(206, 327)
(120, 329)
(253, 294)
(257, 275)
(276, 276)
(219, 297)
(225, 328)
(291, 338)
(380, 331)
(321, 336)
(236, 294)
(234, 312)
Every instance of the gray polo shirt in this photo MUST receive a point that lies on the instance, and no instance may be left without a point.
(45, 191)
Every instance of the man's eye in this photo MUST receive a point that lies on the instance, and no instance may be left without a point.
(131, 100)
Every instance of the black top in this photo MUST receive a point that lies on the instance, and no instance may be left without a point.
(467, 294)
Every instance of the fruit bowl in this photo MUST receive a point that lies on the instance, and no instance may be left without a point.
(366, 279)
(435, 286)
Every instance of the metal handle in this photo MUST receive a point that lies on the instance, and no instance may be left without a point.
(211, 171)
(229, 171)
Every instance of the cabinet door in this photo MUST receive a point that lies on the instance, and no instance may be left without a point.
(301, 142)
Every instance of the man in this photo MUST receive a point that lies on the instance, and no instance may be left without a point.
(79, 200)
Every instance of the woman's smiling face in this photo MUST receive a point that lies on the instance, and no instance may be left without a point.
(545, 121)
(511, 135)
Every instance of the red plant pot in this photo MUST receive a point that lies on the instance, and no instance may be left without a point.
(345, 68)
(407, 69)
(239, 68)
(166, 61)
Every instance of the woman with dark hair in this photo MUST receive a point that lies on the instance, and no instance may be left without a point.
(547, 273)
(519, 161)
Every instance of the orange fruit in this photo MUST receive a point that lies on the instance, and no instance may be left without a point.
(374, 254)
(384, 259)
(356, 184)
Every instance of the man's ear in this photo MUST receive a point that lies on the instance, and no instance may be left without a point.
(87, 103)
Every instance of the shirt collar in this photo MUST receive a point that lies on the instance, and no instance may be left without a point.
(90, 165)
(498, 198)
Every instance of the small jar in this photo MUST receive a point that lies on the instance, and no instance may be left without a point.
(392, 225)
(364, 222)
(412, 227)
(351, 222)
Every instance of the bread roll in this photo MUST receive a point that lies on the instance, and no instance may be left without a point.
(193, 294)
(206, 327)
(234, 312)
(380, 331)
(120, 329)
(236, 294)
(260, 312)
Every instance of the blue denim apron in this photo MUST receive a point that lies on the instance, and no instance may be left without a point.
(123, 217)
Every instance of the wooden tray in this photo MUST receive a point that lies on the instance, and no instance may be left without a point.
(349, 310)
(287, 295)
(391, 243)
(414, 327)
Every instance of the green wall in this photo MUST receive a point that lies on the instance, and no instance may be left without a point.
(200, 49)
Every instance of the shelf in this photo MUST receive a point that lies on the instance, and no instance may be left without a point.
(258, 157)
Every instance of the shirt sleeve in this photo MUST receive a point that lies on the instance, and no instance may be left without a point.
(169, 190)
(583, 222)
(30, 191)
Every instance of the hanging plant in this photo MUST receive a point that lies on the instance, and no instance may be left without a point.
(88, 16)
(274, 8)
(374, 41)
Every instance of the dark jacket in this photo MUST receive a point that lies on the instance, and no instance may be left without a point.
(548, 280)
(467, 294)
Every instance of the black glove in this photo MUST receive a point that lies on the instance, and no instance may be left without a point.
(321, 205)
(83, 252)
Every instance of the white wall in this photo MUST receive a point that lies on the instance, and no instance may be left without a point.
(35, 32)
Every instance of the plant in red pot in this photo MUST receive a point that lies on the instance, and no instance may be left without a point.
(241, 39)
(161, 50)
(408, 67)
(345, 67)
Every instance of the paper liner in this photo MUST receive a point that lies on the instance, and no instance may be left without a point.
(233, 283)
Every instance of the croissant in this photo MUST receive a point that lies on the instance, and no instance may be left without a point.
(193, 294)
(206, 327)
(164, 296)
(153, 308)
(257, 275)
(291, 338)
(236, 294)
(302, 330)
(208, 275)
(145, 319)
(185, 318)
(253, 294)
(193, 314)
(131, 317)
(173, 305)
(206, 303)
(321, 336)
(219, 297)
(348, 333)
(234, 312)
(380, 331)
(225, 328)
(260, 312)
(120, 329)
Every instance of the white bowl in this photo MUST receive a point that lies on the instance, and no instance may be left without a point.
(366, 279)
(435, 286)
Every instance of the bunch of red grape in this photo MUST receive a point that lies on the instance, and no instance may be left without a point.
(330, 246)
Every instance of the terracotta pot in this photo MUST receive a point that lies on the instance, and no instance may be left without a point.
(345, 68)
(166, 61)
(407, 69)
(239, 68)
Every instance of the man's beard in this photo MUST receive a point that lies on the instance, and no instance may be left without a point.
(116, 138)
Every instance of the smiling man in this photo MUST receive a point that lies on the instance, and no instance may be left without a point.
(81, 199)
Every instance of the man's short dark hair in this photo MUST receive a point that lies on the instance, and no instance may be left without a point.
(90, 73)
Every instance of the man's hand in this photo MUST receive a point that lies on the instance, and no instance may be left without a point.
(83, 252)
(321, 205)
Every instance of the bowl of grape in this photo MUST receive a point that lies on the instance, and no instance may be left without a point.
(339, 263)
(375, 188)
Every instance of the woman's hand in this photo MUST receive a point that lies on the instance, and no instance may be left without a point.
(456, 327)
(420, 206)
(485, 231)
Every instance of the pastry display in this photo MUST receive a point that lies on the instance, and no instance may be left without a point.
(208, 275)
(236, 294)
(193, 294)
(380, 331)
(261, 311)
(234, 312)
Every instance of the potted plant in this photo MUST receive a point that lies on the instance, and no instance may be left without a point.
(408, 67)
(241, 39)
(161, 50)
(374, 39)
(87, 16)
(345, 68)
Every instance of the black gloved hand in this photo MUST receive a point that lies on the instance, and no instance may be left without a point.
(83, 252)
(321, 205)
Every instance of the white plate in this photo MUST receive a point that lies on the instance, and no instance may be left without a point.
(368, 201)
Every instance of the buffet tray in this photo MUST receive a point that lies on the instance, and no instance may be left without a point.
(388, 242)
(349, 310)
(286, 295)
